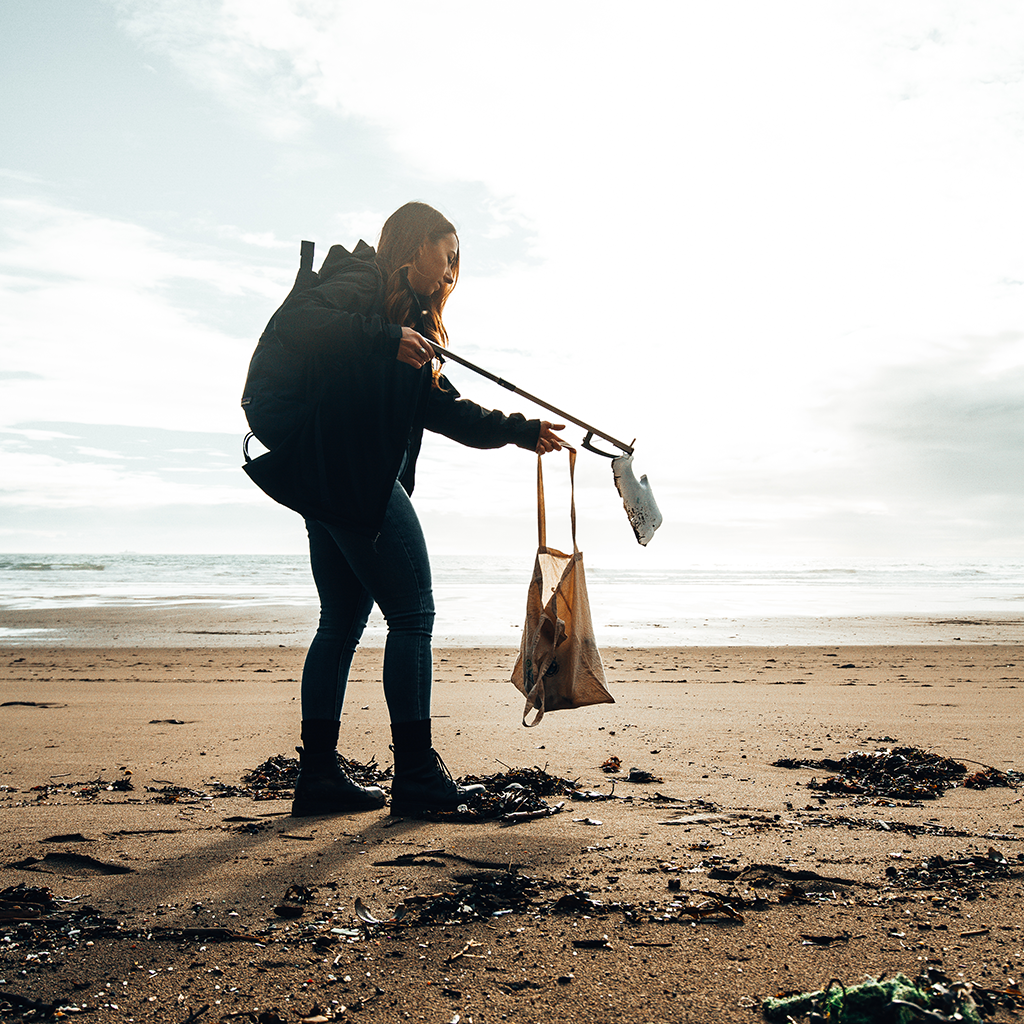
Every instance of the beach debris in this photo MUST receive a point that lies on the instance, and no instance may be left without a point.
(931, 997)
(898, 773)
(576, 902)
(25, 902)
(537, 780)
(512, 796)
(212, 934)
(962, 876)
(714, 907)
(316, 1015)
(172, 794)
(640, 775)
(601, 943)
(364, 914)
(88, 790)
(478, 896)
(771, 876)
(541, 812)
(826, 940)
(33, 917)
(465, 952)
(988, 777)
(275, 778)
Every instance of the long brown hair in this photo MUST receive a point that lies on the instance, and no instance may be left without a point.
(401, 238)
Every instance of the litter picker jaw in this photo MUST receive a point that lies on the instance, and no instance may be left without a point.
(638, 501)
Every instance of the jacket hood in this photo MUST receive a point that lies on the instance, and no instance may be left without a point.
(338, 256)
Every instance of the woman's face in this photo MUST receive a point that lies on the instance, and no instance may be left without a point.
(434, 265)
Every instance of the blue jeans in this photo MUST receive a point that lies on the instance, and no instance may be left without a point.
(351, 572)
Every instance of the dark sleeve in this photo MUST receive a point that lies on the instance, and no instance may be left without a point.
(473, 425)
(342, 313)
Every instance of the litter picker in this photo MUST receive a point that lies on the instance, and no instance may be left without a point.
(641, 508)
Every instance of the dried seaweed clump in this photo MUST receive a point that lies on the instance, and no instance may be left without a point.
(902, 773)
(275, 778)
(481, 895)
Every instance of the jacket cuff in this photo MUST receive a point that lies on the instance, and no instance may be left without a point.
(529, 435)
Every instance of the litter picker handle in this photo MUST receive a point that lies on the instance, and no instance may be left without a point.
(444, 353)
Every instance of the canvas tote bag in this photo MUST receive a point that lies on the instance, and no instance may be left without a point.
(559, 665)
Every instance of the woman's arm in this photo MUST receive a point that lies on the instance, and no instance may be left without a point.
(473, 425)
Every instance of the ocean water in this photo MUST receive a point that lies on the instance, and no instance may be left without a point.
(482, 599)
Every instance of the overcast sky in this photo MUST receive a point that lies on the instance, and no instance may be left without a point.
(780, 244)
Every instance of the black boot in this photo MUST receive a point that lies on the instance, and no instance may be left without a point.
(322, 787)
(422, 782)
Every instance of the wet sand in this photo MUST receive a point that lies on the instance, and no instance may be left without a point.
(708, 721)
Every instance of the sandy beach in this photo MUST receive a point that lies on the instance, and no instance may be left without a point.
(155, 887)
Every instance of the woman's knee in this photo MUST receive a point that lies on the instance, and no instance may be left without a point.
(419, 621)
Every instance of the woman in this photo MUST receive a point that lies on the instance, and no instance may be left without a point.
(340, 388)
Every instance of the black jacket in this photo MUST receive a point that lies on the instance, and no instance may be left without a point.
(326, 393)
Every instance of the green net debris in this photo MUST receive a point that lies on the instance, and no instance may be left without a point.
(895, 1001)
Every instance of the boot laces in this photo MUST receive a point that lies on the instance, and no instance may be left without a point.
(442, 767)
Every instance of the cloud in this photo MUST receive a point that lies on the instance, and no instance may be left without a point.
(951, 428)
(102, 319)
(83, 465)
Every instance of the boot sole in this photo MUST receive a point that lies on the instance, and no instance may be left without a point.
(319, 811)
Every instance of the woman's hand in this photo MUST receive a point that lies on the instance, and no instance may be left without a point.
(549, 441)
(414, 349)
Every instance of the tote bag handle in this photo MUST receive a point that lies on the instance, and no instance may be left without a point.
(542, 532)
